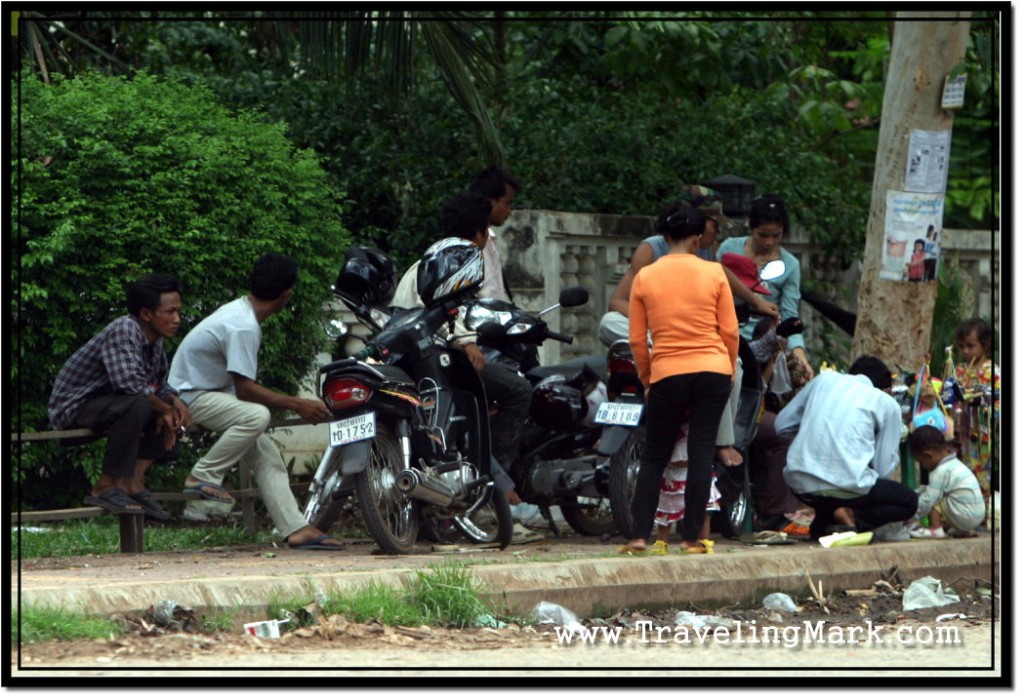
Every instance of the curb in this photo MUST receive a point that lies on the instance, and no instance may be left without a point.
(590, 586)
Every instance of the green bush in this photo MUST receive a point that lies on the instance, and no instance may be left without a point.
(119, 177)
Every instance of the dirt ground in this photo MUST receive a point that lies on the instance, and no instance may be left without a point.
(894, 639)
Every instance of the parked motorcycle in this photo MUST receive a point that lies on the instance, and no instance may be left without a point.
(410, 434)
(559, 461)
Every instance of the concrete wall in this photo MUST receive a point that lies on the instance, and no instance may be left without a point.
(546, 251)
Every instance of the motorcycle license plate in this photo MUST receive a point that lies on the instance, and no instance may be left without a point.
(353, 429)
(619, 413)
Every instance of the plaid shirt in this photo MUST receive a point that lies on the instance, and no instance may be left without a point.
(119, 360)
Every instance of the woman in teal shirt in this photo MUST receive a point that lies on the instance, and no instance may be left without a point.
(769, 223)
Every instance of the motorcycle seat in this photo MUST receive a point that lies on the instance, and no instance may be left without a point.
(569, 368)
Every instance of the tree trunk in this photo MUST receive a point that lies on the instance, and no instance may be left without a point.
(894, 318)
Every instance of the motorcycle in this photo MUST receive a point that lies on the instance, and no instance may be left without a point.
(736, 514)
(559, 462)
(409, 434)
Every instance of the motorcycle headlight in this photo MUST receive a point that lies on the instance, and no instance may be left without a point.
(379, 318)
(478, 315)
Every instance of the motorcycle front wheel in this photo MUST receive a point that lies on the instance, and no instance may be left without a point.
(390, 516)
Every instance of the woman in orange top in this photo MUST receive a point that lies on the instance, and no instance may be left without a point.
(686, 305)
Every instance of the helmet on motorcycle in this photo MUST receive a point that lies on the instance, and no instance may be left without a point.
(368, 276)
(449, 266)
(556, 405)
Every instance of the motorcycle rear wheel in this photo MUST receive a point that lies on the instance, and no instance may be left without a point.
(622, 481)
(391, 517)
(489, 521)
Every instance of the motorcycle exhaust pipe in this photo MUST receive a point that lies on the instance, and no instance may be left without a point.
(416, 484)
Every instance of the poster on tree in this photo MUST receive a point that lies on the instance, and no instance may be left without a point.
(913, 232)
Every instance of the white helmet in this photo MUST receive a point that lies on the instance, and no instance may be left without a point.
(450, 266)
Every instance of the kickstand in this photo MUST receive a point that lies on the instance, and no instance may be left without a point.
(545, 512)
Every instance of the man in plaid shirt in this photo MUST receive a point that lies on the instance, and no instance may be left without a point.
(116, 385)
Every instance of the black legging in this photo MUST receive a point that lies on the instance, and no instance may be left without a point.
(705, 395)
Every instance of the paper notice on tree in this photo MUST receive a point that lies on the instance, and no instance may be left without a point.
(927, 161)
(913, 229)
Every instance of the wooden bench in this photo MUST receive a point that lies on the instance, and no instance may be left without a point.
(132, 526)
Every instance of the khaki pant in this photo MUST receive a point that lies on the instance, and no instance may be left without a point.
(242, 425)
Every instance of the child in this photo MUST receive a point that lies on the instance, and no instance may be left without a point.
(671, 504)
(977, 420)
(915, 268)
(952, 499)
(930, 410)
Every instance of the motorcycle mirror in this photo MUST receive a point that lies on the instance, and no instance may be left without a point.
(335, 328)
(773, 270)
(573, 296)
(490, 331)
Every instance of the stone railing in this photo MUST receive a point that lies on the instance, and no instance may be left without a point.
(545, 251)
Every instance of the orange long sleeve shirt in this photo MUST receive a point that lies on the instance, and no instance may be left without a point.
(688, 307)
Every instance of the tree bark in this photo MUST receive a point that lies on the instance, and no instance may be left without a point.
(894, 318)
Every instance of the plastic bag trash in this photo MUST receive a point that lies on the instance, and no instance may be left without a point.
(687, 618)
(779, 601)
(488, 620)
(163, 612)
(553, 614)
(892, 532)
(846, 539)
(926, 593)
(950, 616)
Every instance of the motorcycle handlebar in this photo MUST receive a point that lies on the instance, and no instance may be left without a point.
(560, 337)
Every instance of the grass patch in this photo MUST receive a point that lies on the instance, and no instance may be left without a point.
(443, 595)
(102, 536)
(43, 623)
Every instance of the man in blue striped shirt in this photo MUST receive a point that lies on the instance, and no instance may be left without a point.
(846, 448)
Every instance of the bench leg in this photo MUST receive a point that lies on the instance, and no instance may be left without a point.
(131, 533)
(248, 509)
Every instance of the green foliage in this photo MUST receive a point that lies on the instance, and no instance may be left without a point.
(120, 177)
(34, 623)
(101, 536)
(952, 306)
(443, 595)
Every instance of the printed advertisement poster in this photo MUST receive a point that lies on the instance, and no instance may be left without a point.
(927, 161)
(913, 233)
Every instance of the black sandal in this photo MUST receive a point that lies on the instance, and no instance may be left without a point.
(149, 504)
(115, 500)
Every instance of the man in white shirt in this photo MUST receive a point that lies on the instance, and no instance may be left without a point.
(846, 448)
(501, 188)
(465, 216)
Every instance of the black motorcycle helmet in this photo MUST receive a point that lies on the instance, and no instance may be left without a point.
(448, 267)
(368, 276)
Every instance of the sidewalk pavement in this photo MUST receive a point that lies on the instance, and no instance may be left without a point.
(580, 573)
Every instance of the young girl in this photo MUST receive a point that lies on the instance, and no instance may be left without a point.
(915, 268)
(978, 417)
(671, 506)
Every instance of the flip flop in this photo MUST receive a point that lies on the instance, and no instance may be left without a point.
(318, 543)
(198, 488)
(766, 537)
(149, 504)
(115, 500)
(630, 550)
(524, 535)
